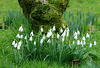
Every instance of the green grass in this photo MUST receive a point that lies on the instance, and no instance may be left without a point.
(7, 5)
(6, 53)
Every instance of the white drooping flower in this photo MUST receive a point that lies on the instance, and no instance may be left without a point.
(49, 41)
(31, 34)
(63, 39)
(83, 38)
(41, 29)
(58, 35)
(73, 42)
(75, 37)
(21, 36)
(25, 38)
(81, 42)
(21, 29)
(90, 44)
(13, 43)
(34, 42)
(18, 36)
(87, 35)
(63, 34)
(41, 41)
(18, 47)
(75, 33)
(49, 33)
(44, 37)
(30, 39)
(67, 34)
(95, 43)
(20, 43)
(78, 42)
(84, 42)
(54, 28)
(78, 32)
(61, 30)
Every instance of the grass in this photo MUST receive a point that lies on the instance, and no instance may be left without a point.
(6, 53)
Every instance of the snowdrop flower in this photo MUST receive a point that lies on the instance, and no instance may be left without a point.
(75, 33)
(61, 30)
(21, 29)
(83, 38)
(75, 37)
(18, 36)
(41, 29)
(84, 43)
(78, 42)
(87, 35)
(90, 44)
(13, 43)
(49, 41)
(58, 35)
(49, 34)
(34, 42)
(54, 29)
(30, 39)
(52, 36)
(44, 37)
(63, 39)
(95, 43)
(67, 29)
(25, 38)
(73, 42)
(31, 34)
(81, 42)
(21, 36)
(78, 32)
(41, 41)
(63, 34)
(67, 34)
(20, 43)
(18, 47)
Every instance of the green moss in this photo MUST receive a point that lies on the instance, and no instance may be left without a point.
(45, 14)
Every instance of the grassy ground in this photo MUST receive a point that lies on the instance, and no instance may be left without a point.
(6, 52)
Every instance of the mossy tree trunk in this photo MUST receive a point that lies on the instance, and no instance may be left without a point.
(45, 13)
